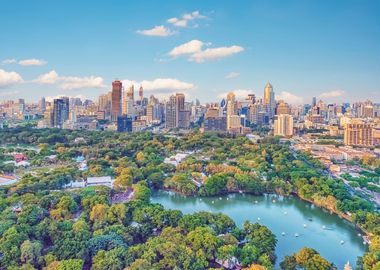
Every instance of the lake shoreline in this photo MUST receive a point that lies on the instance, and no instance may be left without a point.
(365, 235)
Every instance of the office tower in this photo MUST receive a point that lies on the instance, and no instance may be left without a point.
(283, 125)
(269, 100)
(141, 94)
(231, 109)
(182, 111)
(42, 105)
(282, 108)
(234, 122)
(180, 101)
(368, 111)
(124, 123)
(183, 119)
(217, 124)
(49, 116)
(358, 133)
(21, 105)
(314, 102)
(128, 106)
(176, 114)
(60, 111)
(258, 114)
(149, 113)
(104, 106)
(171, 112)
(75, 101)
(116, 94)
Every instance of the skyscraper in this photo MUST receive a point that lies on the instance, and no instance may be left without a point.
(314, 102)
(282, 108)
(269, 99)
(283, 125)
(176, 113)
(60, 111)
(116, 95)
(141, 93)
(104, 105)
(171, 112)
(42, 105)
(128, 106)
(124, 123)
(358, 133)
(231, 109)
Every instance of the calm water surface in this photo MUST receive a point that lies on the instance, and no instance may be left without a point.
(316, 228)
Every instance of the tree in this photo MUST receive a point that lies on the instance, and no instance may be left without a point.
(99, 213)
(216, 184)
(72, 264)
(124, 180)
(30, 252)
(114, 259)
(203, 238)
(141, 192)
(248, 254)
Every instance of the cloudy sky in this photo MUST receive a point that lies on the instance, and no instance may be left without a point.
(328, 49)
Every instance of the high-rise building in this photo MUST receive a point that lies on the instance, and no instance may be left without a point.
(141, 93)
(42, 105)
(171, 112)
(116, 95)
(149, 113)
(124, 123)
(60, 111)
(269, 100)
(358, 133)
(182, 111)
(283, 125)
(282, 108)
(128, 104)
(231, 111)
(176, 113)
(104, 106)
(21, 104)
(214, 122)
(314, 102)
(258, 114)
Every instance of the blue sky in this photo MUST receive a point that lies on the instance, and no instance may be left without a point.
(329, 49)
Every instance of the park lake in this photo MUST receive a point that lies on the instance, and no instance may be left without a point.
(295, 223)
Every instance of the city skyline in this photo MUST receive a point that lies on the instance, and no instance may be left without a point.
(192, 48)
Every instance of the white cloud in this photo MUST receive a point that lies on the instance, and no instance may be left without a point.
(332, 94)
(186, 18)
(239, 93)
(9, 61)
(9, 78)
(232, 75)
(158, 31)
(177, 22)
(48, 78)
(32, 62)
(190, 47)
(161, 85)
(290, 98)
(215, 53)
(70, 82)
(195, 53)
